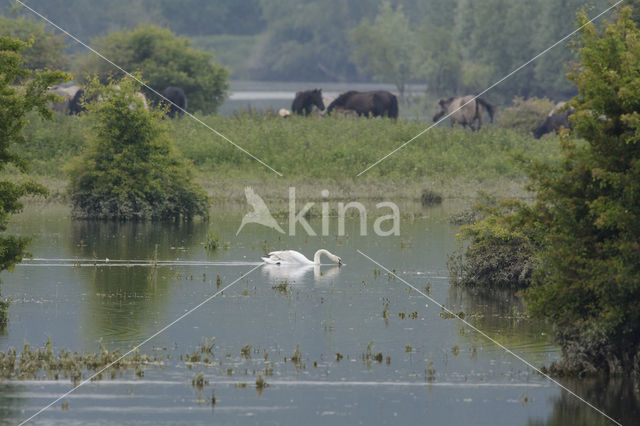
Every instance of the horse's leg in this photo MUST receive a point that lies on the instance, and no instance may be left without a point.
(479, 116)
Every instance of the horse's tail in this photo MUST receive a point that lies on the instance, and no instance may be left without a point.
(393, 107)
(491, 108)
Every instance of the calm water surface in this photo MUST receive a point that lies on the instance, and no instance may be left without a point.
(432, 370)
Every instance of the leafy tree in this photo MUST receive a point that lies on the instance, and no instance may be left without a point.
(305, 40)
(204, 17)
(162, 59)
(15, 103)
(439, 60)
(550, 69)
(130, 169)
(44, 49)
(589, 281)
(385, 49)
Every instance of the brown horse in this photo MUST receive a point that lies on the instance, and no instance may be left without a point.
(378, 103)
(464, 110)
(304, 101)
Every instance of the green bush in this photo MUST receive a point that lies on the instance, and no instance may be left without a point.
(130, 169)
(589, 280)
(525, 115)
(503, 249)
(582, 234)
(162, 59)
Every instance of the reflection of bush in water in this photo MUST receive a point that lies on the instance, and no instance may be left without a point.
(618, 398)
(133, 240)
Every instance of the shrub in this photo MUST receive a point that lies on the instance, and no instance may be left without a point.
(162, 59)
(130, 169)
(525, 115)
(502, 252)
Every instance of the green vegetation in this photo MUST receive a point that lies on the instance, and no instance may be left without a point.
(162, 59)
(16, 102)
(589, 280)
(442, 162)
(525, 115)
(32, 364)
(337, 148)
(453, 44)
(582, 234)
(384, 49)
(130, 168)
(44, 48)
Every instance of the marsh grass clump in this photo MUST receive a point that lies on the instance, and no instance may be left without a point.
(245, 351)
(430, 198)
(199, 381)
(282, 287)
(32, 363)
(296, 358)
(213, 241)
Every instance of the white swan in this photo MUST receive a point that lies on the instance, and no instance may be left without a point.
(292, 257)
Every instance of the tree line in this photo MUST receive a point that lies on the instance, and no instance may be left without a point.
(455, 46)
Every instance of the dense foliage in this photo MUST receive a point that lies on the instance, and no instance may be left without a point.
(504, 248)
(44, 49)
(589, 280)
(583, 231)
(525, 115)
(455, 46)
(163, 60)
(15, 102)
(130, 168)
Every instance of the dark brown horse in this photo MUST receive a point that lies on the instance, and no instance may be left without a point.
(555, 120)
(378, 103)
(304, 101)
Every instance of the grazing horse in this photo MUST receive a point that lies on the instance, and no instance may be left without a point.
(464, 110)
(554, 121)
(304, 101)
(178, 104)
(71, 97)
(378, 103)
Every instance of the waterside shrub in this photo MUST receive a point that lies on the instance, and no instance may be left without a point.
(130, 169)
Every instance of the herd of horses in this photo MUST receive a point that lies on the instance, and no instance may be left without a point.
(73, 100)
(463, 110)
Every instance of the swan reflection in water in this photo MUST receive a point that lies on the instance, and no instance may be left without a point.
(299, 273)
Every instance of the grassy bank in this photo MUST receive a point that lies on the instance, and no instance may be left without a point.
(318, 153)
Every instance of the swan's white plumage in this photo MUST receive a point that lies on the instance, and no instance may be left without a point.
(292, 257)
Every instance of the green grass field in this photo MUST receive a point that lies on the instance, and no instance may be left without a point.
(313, 151)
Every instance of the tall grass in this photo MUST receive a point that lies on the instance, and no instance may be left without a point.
(332, 148)
(315, 150)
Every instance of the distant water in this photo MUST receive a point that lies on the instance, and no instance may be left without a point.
(262, 95)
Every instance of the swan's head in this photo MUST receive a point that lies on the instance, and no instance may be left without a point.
(331, 256)
(335, 258)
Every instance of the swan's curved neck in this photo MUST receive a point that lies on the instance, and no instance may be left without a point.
(316, 257)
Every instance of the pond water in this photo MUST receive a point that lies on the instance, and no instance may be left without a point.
(263, 96)
(429, 368)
